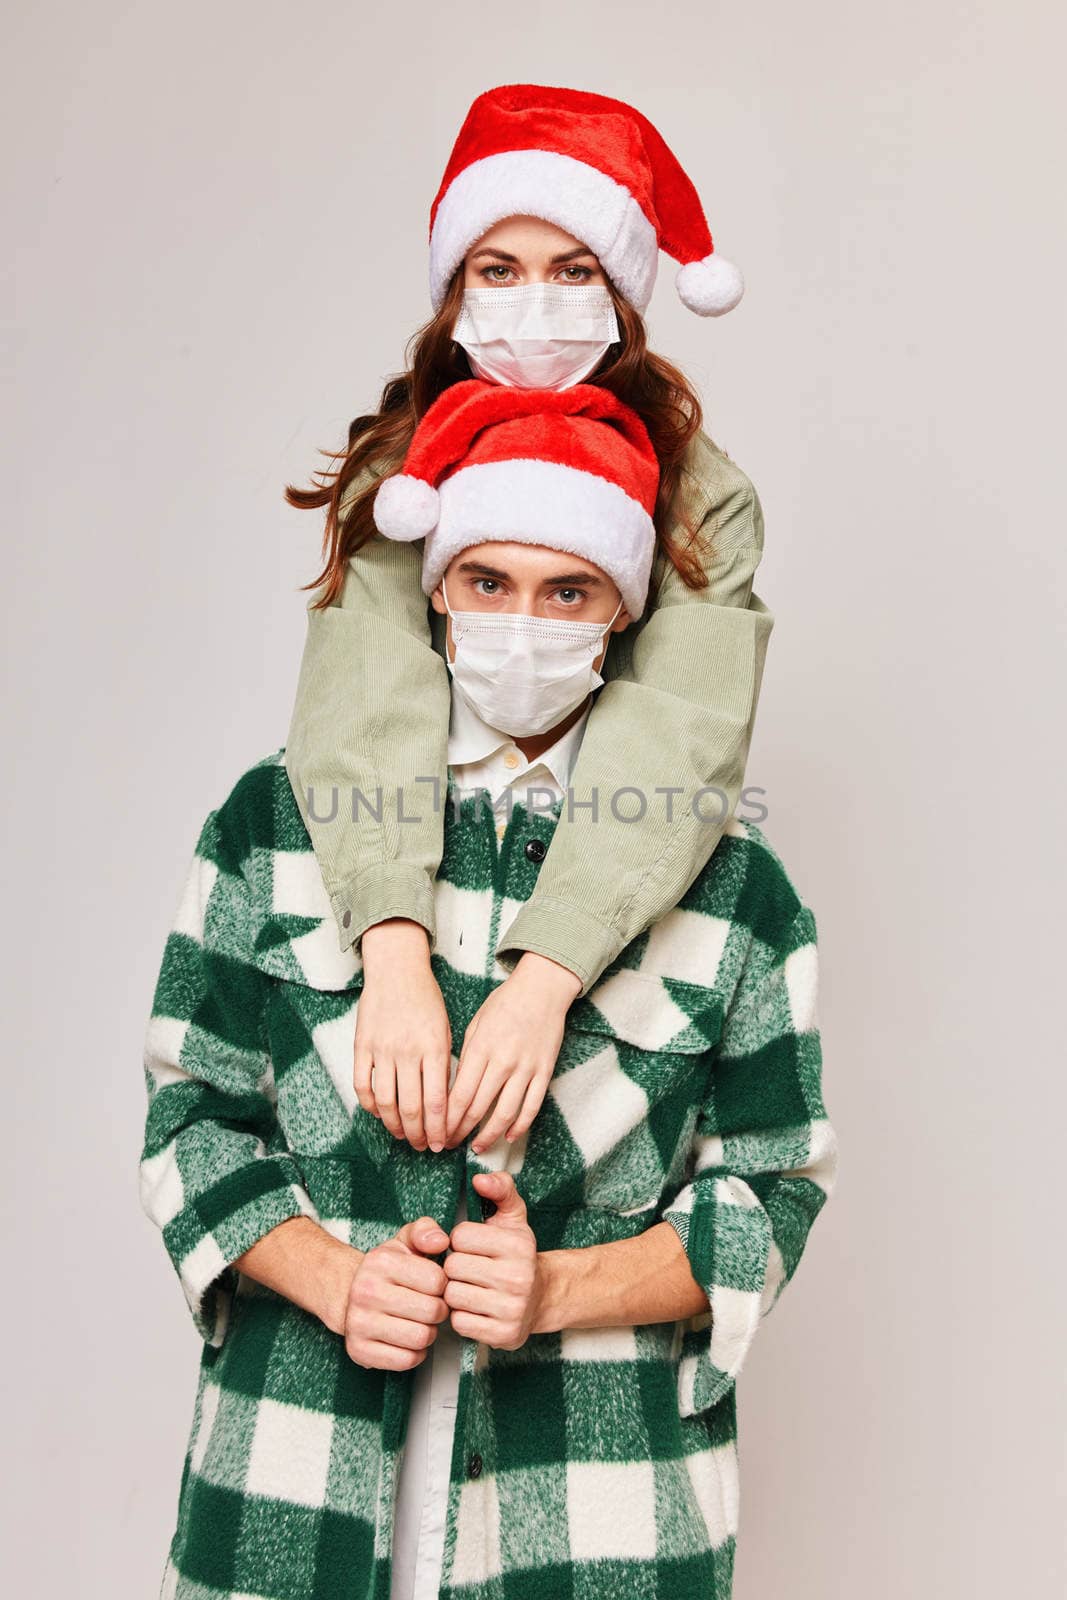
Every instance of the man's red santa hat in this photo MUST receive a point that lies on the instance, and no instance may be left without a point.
(573, 469)
(593, 166)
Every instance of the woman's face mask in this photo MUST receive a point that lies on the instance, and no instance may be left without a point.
(524, 674)
(536, 335)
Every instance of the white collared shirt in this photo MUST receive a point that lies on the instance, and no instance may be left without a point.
(480, 758)
(483, 758)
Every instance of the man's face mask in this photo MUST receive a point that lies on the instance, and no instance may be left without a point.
(524, 674)
(536, 335)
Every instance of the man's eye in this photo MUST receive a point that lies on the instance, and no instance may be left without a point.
(486, 585)
(569, 596)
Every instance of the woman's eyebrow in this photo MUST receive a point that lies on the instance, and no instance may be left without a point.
(505, 255)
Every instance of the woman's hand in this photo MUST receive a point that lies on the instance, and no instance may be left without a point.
(510, 1051)
(396, 1299)
(493, 1275)
(402, 1035)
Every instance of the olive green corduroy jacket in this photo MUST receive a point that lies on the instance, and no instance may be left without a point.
(660, 770)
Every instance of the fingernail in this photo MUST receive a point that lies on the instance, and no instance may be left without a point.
(437, 1147)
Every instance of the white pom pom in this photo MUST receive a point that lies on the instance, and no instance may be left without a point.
(406, 508)
(709, 287)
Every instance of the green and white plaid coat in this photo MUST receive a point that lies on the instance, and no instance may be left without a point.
(592, 1464)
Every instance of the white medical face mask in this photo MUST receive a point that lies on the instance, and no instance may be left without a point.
(524, 674)
(536, 335)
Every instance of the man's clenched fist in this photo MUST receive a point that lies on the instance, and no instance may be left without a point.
(493, 1277)
(396, 1298)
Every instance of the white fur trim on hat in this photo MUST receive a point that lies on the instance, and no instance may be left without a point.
(542, 183)
(405, 507)
(543, 502)
(709, 287)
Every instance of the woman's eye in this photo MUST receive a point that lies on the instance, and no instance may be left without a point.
(499, 271)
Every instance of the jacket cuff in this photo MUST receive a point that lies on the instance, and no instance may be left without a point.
(563, 933)
(219, 1224)
(729, 1241)
(387, 889)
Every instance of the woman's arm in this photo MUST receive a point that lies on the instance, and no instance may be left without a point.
(366, 755)
(666, 744)
(368, 741)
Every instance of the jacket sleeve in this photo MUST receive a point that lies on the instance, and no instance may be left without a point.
(677, 715)
(366, 751)
(215, 1173)
(763, 1160)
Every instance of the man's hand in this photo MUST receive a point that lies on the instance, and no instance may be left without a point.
(402, 1035)
(510, 1051)
(493, 1277)
(396, 1299)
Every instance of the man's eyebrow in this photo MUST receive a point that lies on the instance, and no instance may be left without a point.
(586, 580)
(564, 255)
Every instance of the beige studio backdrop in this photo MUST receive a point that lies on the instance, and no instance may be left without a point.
(216, 221)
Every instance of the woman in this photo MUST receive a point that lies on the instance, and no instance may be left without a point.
(649, 1219)
(544, 244)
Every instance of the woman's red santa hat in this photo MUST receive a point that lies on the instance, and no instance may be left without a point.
(595, 167)
(573, 469)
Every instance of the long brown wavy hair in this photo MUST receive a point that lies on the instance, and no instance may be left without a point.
(378, 441)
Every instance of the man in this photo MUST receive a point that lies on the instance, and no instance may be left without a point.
(594, 1284)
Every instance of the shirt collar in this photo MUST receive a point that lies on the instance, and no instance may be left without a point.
(471, 739)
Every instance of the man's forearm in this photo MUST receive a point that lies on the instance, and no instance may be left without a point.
(621, 1284)
(300, 1260)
